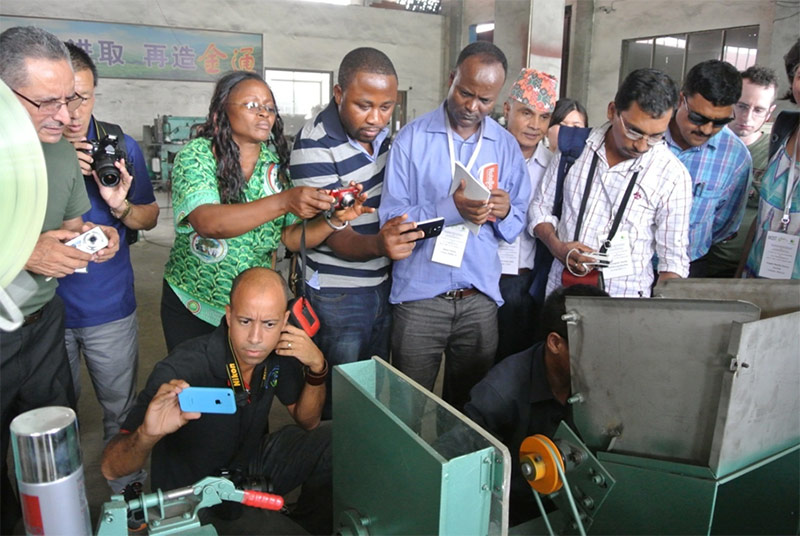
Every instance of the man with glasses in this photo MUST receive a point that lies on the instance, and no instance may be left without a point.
(104, 329)
(759, 89)
(34, 371)
(716, 158)
(624, 173)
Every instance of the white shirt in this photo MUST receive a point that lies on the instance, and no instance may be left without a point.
(656, 219)
(525, 242)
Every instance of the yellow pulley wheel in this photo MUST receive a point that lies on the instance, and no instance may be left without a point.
(538, 464)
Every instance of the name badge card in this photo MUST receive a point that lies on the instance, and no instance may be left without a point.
(509, 256)
(620, 256)
(780, 250)
(450, 245)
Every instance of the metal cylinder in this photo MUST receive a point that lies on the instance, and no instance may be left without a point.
(47, 461)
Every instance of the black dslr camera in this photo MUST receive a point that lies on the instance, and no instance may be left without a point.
(104, 153)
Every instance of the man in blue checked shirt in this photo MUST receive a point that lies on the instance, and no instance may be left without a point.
(717, 160)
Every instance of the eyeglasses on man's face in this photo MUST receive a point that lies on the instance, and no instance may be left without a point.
(52, 107)
(757, 111)
(700, 119)
(651, 139)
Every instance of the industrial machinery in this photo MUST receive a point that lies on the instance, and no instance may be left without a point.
(163, 140)
(687, 416)
(176, 511)
(405, 462)
(691, 405)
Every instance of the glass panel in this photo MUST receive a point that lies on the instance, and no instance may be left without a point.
(636, 54)
(741, 47)
(668, 55)
(703, 46)
(448, 432)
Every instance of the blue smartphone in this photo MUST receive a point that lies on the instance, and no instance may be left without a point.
(207, 400)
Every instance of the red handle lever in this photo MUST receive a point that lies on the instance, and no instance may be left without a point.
(259, 499)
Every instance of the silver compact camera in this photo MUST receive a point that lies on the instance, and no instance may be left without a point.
(89, 242)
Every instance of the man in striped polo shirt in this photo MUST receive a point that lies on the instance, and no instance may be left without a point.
(348, 275)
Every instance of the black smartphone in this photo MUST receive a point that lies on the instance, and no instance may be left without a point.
(431, 228)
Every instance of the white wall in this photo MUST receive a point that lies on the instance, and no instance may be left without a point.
(295, 35)
(628, 19)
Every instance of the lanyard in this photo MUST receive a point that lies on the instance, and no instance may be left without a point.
(451, 147)
(791, 183)
(620, 210)
(241, 393)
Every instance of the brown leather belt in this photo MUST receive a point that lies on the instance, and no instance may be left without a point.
(459, 293)
(33, 317)
(522, 271)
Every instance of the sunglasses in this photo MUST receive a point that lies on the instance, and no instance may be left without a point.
(700, 119)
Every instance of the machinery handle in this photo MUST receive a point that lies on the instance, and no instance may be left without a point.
(259, 499)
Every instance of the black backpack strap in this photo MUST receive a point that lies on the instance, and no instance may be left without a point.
(571, 142)
(782, 129)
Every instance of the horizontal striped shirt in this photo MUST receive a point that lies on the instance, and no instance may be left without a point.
(324, 156)
(721, 171)
(656, 218)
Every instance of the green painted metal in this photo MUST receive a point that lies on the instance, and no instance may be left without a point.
(405, 463)
(651, 499)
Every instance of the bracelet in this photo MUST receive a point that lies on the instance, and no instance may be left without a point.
(128, 208)
(317, 379)
(332, 226)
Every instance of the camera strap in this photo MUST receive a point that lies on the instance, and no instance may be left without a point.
(303, 261)
(242, 393)
(620, 210)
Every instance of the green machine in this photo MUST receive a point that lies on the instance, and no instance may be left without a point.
(405, 462)
(687, 411)
(163, 140)
(177, 511)
(692, 404)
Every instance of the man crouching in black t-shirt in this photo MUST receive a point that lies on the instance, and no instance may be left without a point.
(272, 358)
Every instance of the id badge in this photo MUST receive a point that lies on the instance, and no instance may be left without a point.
(620, 256)
(450, 245)
(780, 251)
(509, 256)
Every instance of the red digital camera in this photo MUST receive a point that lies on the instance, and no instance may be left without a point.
(345, 197)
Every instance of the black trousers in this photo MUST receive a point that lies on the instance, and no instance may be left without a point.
(34, 373)
(178, 323)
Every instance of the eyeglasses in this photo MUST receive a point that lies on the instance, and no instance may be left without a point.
(745, 109)
(700, 119)
(52, 107)
(651, 139)
(82, 98)
(256, 107)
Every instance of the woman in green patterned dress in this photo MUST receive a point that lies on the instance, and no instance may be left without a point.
(233, 203)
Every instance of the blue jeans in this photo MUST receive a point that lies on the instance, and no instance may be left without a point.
(354, 326)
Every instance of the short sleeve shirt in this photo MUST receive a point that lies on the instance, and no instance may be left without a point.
(200, 269)
(66, 200)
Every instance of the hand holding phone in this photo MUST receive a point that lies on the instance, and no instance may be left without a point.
(431, 228)
(207, 400)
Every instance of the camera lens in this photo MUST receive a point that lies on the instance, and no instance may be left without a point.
(109, 175)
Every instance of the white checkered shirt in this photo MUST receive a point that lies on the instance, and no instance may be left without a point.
(656, 218)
